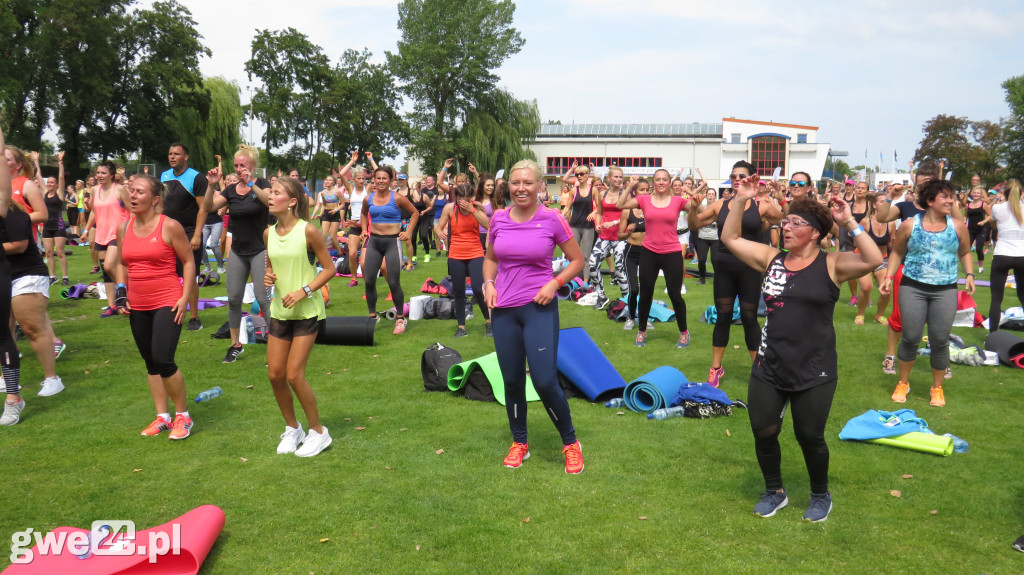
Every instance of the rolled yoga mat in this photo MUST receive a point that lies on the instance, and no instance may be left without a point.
(919, 441)
(391, 314)
(73, 292)
(1008, 346)
(195, 533)
(583, 363)
(459, 372)
(336, 330)
(653, 390)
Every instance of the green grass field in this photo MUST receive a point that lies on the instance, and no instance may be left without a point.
(656, 496)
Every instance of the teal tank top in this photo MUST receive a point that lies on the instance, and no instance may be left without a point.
(932, 256)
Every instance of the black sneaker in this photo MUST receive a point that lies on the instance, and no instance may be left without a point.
(65, 282)
(488, 330)
(233, 353)
(460, 332)
(701, 281)
(1019, 543)
(771, 501)
(194, 324)
(602, 301)
(53, 280)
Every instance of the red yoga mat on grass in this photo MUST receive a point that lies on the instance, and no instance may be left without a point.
(198, 530)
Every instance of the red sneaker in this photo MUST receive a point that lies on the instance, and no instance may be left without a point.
(518, 453)
(573, 458)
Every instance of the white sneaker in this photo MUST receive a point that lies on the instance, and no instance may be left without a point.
(682, 290)
(12, 412)
(628, 325)
(222, 271)
(314, 444)
(51, 386)
(290, 439)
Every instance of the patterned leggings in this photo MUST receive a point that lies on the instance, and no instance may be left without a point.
(602, 249)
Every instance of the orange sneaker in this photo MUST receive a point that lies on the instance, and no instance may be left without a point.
(938, 397)
(518, 453)
(900, 395)
(181, 427)
(573, 458)
(159, 424)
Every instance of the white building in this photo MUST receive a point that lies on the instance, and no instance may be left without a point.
(640, 149)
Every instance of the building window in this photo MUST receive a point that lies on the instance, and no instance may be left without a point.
(735, 138)
(801, 138)
(768, 153)
(558, 165)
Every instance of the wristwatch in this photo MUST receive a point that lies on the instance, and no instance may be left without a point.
(309, 292)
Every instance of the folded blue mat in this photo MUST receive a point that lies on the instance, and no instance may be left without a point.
(585, 365)
(700, 392)
(661, 312)
(653, 389)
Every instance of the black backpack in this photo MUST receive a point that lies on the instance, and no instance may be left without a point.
(434, 365)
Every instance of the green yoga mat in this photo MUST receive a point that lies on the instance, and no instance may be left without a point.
(919, 441)
(488, 364)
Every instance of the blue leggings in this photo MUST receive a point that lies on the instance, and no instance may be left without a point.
(529, 333)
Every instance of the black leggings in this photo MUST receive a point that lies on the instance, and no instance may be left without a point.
(703, 248)
(459, 269)
(156, 335)
(389, 250)
(423, 230)
(672, 264)
(766, 406)
(978, 238)
(632, 267)
(735, 278)
(9, 361)
(1000, 266)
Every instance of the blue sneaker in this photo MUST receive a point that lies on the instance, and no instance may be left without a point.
(771, 501)
(820, 507)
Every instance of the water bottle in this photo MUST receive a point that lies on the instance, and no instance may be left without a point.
(250, 330)
(666, 413)
(209, 394)
(616, 402)
(959, 445)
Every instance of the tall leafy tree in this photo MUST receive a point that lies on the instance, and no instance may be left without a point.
(966, 147)
(216, 134)
(446, 57)
(496, 131)
(363, 104)
(1012, 149)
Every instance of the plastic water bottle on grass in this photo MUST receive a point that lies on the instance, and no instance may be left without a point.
(666, 413)
(209, 394)
(616, 402)
(959, 445)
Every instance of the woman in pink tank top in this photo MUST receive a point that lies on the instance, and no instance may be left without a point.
(108, 214)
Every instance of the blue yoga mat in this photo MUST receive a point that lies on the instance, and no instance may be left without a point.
(662, 313)
(583, 363)
(654, 389)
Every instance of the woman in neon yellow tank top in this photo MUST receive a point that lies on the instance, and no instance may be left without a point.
(295, 312)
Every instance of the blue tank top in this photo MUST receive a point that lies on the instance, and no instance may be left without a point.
(439, 204)
(932, 256)
(386, 214)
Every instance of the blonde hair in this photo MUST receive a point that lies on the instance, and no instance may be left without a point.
(529, 165)
(294, 190)
(1013, 197)
(250, 153)
(27, 169)
(358, 171)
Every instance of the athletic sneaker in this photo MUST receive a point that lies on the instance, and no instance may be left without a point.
(1019, 543)
(222, 271)
(399, 326)
(684, 340)
(353, 283)
(53, 280)
(900, 395)
(95, 270)
(770, 503)
(948, 374)
(641, 339)
(389, 298)
(12, 411)
(715, 375)
(51, 386)
(290, 439)
(517, 454)
(108, 312)
(58, 348)
(938, 397)
(682, 290)
(181, 427)
(233, 352)
(438, 254)
(820, 507)
(980, 269)
(194, 324)
(376, 320)
(602, 301)
(65, 282)
(159, 424)
(853, 300)
(314, 443)
(426, 258)
(573, 458)
(889, 365)
(460, 332)
(629, 325)
(488, 330)
(701, 281)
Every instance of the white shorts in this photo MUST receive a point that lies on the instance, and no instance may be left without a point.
(684, 238)
(30, 284)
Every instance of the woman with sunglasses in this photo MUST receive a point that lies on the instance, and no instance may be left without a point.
(796, 362)
(578, 209)
(732, 277)
(662, 250)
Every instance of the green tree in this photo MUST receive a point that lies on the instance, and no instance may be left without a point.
(446, 57)
(1012, 148)
(496, 131)
(966, 147)
(216, 134)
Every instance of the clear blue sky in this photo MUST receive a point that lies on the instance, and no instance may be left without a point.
(868, 73)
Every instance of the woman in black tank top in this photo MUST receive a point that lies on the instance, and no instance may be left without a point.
(881, 234)
(977, 224)
(797, 361)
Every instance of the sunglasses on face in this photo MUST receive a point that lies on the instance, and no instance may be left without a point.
(738, 176)
(795, 184)
(793, 223)
(582, 174)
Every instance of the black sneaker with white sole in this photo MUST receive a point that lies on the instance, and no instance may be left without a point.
(233, 353)
(1019, 543)
(194, 324)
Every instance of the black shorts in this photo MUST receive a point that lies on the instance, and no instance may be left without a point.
(327, 217)
(61, 233)
(103, 247)
(287, 329)
(355, 231)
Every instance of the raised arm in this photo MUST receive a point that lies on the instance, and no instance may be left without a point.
(571, 173)
(213, 201)
(61, 192)
(754, 254)
(627, 199)
(441, 184)
(852, 265)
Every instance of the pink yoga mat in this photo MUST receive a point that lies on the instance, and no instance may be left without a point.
(198, 530)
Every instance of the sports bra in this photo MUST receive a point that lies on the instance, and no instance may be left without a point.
(882, 240)
(331, 198)
(386, 214)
